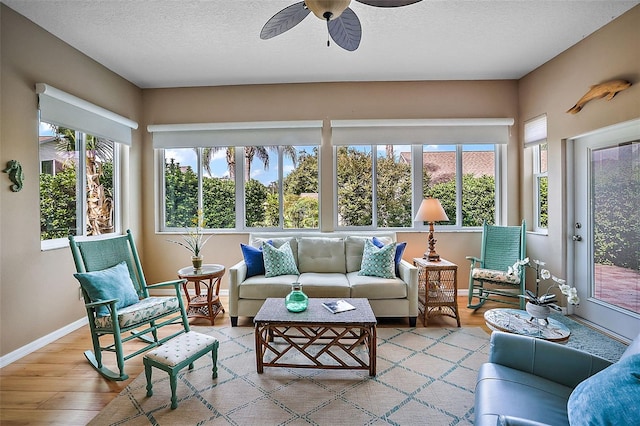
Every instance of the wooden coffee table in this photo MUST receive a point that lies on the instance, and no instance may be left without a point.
(316, 337)
(519, 322)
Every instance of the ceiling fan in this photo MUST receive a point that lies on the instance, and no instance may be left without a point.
(342, 23)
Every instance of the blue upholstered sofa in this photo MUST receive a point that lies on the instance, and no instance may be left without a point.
(529, 381)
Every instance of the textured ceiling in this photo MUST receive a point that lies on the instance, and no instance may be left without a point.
(171, 43)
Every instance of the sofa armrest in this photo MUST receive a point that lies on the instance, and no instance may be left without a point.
(409, 274)
(237, 274)
(555, 362)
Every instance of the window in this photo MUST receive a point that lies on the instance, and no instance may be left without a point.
(279, 187)
(253, 175)
(376, 185)
(243, 179)
(78, 197)
(78, 150)
(541, 186)
(359, 171)
(535, 138)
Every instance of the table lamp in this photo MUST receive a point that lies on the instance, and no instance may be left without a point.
(431, 211)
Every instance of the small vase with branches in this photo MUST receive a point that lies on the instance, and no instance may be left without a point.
(194, 239)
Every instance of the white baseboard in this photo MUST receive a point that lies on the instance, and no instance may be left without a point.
(41, 342)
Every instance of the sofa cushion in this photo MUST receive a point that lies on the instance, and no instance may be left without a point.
(278, 261)
(324, 284)
(277, 242)
(378, 262)
(354, 247)
(608, 397)
(260, 287)
(321, 255)
(110, 283)
(399, 251)
(254, 259)
(376, 287)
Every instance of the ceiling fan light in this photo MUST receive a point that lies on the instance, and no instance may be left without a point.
(331, 8)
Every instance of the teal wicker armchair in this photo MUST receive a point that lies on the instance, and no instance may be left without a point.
(117, 301)
(488, 278)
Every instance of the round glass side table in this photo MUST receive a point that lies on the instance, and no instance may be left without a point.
(519, 322)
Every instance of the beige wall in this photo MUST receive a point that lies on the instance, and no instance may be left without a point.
(613, 52)
(38, 293)
(442, 99)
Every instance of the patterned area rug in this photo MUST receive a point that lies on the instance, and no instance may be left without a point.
(589, 340)
(424, 376)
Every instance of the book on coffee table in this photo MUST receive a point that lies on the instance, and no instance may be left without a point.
(338, 306)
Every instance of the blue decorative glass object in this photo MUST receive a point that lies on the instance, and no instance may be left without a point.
(296, 301)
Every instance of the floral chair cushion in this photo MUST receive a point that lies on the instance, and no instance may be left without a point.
(142, 311)
(495, 276)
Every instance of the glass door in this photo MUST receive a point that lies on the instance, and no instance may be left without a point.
(605, 227)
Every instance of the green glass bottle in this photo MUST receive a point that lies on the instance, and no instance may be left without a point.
(296, 301)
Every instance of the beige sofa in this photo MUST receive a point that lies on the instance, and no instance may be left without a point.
(328, 264)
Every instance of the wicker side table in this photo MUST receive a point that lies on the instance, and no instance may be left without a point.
(205, 305)
(437, 288)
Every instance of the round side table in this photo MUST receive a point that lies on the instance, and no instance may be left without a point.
(203, 305)
(519, 322)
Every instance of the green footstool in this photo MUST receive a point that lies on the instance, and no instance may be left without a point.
(176, 354)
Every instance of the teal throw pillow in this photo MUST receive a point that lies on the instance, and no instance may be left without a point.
(111, 283)
(399, 251)
(278, 261)
(378, 262)
(609, 397)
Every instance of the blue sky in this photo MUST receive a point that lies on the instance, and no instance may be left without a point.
(187, 157)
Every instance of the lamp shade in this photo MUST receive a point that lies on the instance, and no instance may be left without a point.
(431, 211)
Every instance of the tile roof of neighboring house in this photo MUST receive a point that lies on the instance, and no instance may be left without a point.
(442, 164)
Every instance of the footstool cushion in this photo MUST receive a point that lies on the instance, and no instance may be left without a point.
(176, 354)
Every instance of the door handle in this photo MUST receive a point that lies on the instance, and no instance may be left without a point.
(576, 238)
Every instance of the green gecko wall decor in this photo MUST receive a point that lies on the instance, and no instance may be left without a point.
(14, 169)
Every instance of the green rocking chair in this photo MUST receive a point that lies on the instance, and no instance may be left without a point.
(501, 247)
(117, 301)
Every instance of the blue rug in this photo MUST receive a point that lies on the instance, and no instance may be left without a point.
(592, 341)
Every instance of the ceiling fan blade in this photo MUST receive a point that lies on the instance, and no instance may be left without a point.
(346, 30)
(388, 3)
(284, 20)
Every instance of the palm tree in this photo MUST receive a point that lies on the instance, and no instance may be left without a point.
(98, 151)
(250, 152)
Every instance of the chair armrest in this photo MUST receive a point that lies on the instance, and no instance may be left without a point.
(101, 302)
(517, 421)
(174, 283)
(409, 274)
(552, 361)
(473, 260)
(237, 274)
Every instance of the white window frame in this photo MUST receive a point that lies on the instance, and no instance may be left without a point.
(240, 211)
(538, 175)
(419, 132)
(535, 135)
(64, 109)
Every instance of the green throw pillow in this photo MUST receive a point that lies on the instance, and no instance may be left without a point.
(378, 262)
(110, 283)
(278, 261)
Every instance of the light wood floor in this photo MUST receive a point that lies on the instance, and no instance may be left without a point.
(56, 385)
